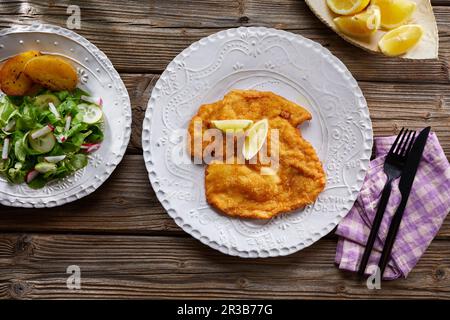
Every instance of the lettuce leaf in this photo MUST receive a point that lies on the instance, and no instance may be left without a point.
(29, 116)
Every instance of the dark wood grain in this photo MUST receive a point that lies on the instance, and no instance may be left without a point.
(125, 204)
(391, 105)
(168, 267)
(144, 36)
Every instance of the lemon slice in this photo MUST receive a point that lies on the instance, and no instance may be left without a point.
(362, 24)
(399, 41)
(233, 125)
(395, 13)
(347, 7)
(255, 138)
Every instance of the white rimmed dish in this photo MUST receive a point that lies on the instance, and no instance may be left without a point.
(97, 76)
(265, 59)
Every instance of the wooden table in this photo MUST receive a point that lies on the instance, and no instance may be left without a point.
(121, 237)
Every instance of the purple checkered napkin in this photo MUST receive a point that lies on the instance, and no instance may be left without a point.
(427, 207)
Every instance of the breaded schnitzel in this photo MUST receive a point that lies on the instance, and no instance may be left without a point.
(245, 104)
(241, 189)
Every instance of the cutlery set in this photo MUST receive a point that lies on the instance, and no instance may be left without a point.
(401, 162)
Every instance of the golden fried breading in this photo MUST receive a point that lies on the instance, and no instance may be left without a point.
(241, 189)
(245, 104)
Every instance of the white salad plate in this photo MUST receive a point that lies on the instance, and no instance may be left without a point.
(264, 59)
(97, 76)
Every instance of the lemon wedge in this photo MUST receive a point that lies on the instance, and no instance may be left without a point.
(400, 40)
(232, 125)
(347, 7)
(362, 24)
(395, 13)
(255, 138)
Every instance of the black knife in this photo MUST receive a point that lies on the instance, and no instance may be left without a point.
(405, 185)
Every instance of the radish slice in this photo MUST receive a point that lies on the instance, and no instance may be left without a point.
(68, 123)
(87, 145)
(55, 159)
(93, 100)
(62, 138)
(93, 148)
(90, 147)
(53, 110)
(89, 99)
(31, 176)
(10, 125)
(42, 132)
(5, 149)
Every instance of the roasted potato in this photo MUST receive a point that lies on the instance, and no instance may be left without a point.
(34, 90)
(52, 72)
(13, 80)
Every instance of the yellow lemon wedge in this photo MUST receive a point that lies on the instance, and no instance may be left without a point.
(347, 7)
(395, 13)
(362, 24)
(232, 125)
(400, 40)
(255, 138)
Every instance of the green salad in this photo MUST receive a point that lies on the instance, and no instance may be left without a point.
(48, 136)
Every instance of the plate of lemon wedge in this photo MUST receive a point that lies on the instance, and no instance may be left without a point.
(395, 28)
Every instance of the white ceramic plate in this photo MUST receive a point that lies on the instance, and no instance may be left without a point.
(97, 76)
(263, 59)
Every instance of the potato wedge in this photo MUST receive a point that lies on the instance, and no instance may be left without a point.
(1, 66)
(13, 81)
(52, 72)
(34, 90)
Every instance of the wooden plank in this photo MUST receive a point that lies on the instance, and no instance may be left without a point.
(125, 204)
(139, 89)
(34, 266)
(141, 37)
(283, 14)
(144, 36)
(391, 105)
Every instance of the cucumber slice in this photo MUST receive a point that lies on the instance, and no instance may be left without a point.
(44, 167)
(42, 144)
(91, 113)
(43, 100)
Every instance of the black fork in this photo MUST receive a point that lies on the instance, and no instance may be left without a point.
(393, 166)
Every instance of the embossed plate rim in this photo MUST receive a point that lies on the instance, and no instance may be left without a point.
(115, 158)
(179, 219)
